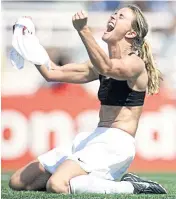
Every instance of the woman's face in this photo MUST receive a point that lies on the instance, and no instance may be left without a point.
(119, 26)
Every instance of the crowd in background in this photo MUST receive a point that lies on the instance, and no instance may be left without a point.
(149, 6)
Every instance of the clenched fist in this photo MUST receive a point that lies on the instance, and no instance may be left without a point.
(80, 20)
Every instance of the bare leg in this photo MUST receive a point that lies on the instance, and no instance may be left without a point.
(31, 177)
(60, 180)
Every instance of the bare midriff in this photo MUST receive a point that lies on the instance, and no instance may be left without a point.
(121, 117)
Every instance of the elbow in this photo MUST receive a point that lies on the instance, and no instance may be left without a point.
(52, 79)
(48, 78)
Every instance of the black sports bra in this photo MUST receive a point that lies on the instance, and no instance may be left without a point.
(117, 93)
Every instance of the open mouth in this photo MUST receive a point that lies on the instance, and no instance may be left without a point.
(110, 27)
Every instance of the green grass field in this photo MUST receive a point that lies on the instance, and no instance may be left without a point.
(167, 180)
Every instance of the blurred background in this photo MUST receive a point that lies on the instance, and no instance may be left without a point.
(37, 115)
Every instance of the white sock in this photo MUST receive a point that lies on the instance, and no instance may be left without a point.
(93, 184)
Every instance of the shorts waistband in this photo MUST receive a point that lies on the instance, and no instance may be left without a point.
(119, 131)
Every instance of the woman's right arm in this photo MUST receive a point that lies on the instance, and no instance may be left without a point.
(69, 73)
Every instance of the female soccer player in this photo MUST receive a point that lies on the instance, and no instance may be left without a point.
(99, 158)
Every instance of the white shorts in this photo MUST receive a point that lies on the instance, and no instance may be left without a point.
(105, 153)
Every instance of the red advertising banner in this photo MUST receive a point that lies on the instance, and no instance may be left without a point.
(34, 124)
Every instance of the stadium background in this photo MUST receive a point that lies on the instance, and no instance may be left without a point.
(37, 115)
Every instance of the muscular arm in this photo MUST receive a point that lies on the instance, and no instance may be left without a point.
(121, 69)
(69, 73)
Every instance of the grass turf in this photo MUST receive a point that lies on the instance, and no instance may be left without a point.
(167, 180)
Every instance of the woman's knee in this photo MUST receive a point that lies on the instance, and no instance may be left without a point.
(24, 178)
(59, 181)
(57, 186)
(15, 183)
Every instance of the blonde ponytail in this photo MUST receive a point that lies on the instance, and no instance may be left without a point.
(154, 75)
(140, 26)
